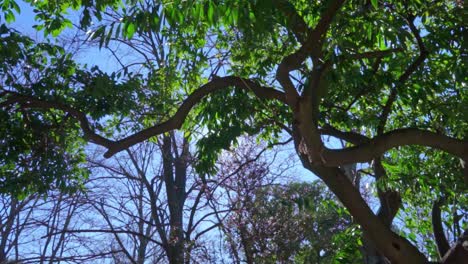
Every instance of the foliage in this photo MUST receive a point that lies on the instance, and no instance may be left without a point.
(388, 77)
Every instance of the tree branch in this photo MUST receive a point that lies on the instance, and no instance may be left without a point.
(172, 123)
(442, 244)
(111, 231)
(312, 46)
(176, 121)
(32, 102)
(325, 20)
(375, 147)
(352, 137)
(408, 72)
(393, 246)
(294, 20)
(370, 54)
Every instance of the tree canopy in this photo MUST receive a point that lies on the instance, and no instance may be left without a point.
(386, 77)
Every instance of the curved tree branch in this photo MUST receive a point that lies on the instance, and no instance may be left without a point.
(352, 137)
(312, 46)
(176, 121)
(375, 147)
(32, 102)
(172, 123)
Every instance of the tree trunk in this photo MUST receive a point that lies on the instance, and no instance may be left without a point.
(175, 181)
(390, 202)
(309, 147)
(394, 247)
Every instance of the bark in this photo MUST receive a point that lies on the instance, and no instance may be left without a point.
(175, 176)
(397, 249)
(441, 241)
(375, 147)
(390, 202)
(246, 244)
(394, 247)
(6, 229)
(458, 254)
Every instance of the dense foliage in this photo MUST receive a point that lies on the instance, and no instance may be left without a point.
(386, 77)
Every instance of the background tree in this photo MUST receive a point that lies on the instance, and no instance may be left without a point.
(155, 205)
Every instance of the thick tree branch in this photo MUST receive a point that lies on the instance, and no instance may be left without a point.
(375, 147)
(312, 46)
(458, 253)
(176, 121)
(352, 137)
(172, 123)
(441, 241)
(394, 247)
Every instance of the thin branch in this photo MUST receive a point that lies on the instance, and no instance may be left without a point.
(111, 231)
(295, 22)
(405, 76)
(352, 137)
(370, 54)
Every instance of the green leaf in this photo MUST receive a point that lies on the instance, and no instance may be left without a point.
(9, 16)
(130, 30)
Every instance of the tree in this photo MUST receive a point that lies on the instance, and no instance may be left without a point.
(273, 219)
(155, 206)
(286, 223)
(385, 76)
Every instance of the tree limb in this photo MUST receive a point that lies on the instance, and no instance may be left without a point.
(178, 118)
(370, 54)
(172, 123)
(312, 46)
(296, 22)
(352, 137)
(406, 74)
(375, 147)
(393, 246)
(32, 102)
(441, 241)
